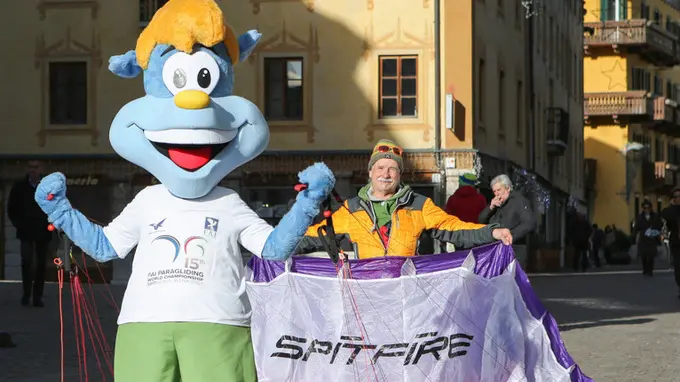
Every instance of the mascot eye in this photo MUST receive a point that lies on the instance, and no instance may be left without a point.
(198, 71)
(204, 78)
(179, 79)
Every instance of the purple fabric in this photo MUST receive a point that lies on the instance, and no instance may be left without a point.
(491, 261)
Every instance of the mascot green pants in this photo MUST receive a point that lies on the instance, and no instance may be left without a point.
(206, 351)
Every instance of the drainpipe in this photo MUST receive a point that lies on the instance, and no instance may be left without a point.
(530, 135)
(438, 99)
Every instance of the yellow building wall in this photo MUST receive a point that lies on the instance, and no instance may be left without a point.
(605, 143)
(605, 74)
(339, 40)
(502, 49)
(458, 72)
(558, 53)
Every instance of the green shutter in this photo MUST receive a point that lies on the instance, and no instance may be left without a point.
(604, 5)
(623, 5)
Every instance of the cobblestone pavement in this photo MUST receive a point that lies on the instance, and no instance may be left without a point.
(618, 326)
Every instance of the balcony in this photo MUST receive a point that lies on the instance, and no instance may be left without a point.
(639, 36)
(558, 130)
(618, 107)
(590, 177)
(659, 177)
(666, 116)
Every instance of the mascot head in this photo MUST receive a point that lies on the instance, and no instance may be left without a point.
(189, 131)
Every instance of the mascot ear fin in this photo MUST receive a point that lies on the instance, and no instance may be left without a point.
(125, 65)
(247, 43)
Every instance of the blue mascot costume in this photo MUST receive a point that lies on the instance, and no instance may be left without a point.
(185, 315)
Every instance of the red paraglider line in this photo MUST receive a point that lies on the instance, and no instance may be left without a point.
(84, 309)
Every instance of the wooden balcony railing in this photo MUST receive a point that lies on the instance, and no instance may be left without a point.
(659, 176)
(666, 116)
(663, 111)
(640, 35)
(634, 105)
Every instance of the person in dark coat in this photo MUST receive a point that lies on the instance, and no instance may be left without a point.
(31, 226)
(671, 215)
(596, 242)
(581, 233)
(647, 231)
(509, 209)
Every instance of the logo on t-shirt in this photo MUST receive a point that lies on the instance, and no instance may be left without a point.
(210, 226)
(158, 225)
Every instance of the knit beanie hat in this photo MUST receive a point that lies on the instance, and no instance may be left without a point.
(387, 149)
(467, 180)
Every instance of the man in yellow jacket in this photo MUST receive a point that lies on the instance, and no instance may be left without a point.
(387, 218)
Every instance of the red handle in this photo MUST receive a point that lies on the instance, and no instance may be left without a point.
(50, 227)
(300, 187)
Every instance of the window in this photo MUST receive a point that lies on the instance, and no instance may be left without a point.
(657, 17)
(644, 10)
(640, 80)
(481, 90)
(398, 86)
(613, 10)
(283, 92)
(670, 149)
(551, 38)
(658, 86)
(658, 150)
(669, 89)
(520, 110)
(68, 93)
(501, 105)
(147, 8)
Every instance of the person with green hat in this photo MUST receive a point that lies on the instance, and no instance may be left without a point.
(387, 217)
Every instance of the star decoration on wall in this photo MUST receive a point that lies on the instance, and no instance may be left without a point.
(616, 76)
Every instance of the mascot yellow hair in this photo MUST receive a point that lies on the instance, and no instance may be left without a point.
(184, 23)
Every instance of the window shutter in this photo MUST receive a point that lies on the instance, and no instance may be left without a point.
(604, 4)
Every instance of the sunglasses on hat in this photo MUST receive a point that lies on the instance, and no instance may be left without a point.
(384, 149)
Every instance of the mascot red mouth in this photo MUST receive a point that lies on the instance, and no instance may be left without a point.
(190, 158)
(190, 149)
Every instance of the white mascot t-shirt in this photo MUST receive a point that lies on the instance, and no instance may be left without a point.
(188, 265)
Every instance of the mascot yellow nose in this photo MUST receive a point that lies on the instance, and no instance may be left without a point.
(192, 99)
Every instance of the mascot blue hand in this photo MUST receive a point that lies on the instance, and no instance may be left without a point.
(282, 242)
(55, 185)
(319, 180)
(85, 234)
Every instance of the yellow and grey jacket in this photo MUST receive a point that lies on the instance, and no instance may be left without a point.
(356, 229)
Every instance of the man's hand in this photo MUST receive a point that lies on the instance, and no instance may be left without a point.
(502, 234)
(495, 202)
